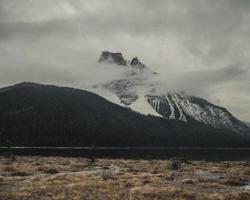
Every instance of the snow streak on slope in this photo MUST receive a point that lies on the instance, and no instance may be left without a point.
(207, 113)
(172, 113)
(141, 105)
(182, 115)
(179, 106)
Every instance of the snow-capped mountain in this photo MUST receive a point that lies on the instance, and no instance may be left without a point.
(138, 90)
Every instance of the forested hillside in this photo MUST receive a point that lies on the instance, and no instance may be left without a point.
(41, 115)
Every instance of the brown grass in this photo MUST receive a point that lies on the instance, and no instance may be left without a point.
(106, 179)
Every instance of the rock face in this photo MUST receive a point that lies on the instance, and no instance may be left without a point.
(137, 64)
(109, 57)
(173, 106)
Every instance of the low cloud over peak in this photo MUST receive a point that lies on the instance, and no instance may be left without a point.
(200, 46)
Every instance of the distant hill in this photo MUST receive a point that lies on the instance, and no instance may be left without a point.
(43, 115)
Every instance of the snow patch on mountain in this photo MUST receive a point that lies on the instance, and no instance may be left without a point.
(142, 106)
(172, 113)
(182, 116)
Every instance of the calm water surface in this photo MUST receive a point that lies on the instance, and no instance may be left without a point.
(217, 154)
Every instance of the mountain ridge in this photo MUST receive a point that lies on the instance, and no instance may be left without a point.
(174, 105)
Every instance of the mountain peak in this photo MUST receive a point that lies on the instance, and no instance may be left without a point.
(136, 63)
(110, 57)
(118, 59)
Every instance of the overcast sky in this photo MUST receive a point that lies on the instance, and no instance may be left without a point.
(202, 45)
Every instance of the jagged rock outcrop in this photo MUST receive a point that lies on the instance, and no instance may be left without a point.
(118, 59)
(109, 57)
(137, 64)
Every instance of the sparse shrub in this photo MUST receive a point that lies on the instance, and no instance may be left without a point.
(247, 163)
(107, 175)
(105, 167)
(154, 171)
(169, 178)
(174, 164)
(92, 154)
(19, 173)
(235, 182)
(128, 184)
(92, 159)
(187, 181)
(51, 171)
(185, 160)
(41, 169)
(10, 156)
(246, 172)
(9, 169)
(227, 164)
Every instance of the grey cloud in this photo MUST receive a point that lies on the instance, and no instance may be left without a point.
(209, 78)
(36, 30)
(198, 82)
(189, 42)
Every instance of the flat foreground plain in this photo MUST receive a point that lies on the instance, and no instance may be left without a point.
(41, 178)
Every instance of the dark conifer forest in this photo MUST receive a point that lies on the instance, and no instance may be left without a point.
(42, 115)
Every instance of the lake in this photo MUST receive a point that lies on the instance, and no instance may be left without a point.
(216, 154)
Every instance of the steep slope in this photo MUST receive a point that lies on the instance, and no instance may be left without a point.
(247, 123)
(42, 115)
(185, 108)
(177, 105)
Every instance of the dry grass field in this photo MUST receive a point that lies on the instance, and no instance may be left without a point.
(41, 178)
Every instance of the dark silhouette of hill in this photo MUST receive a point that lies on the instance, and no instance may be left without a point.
(43, 115)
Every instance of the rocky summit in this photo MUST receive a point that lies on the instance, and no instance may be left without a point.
(109, 57)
